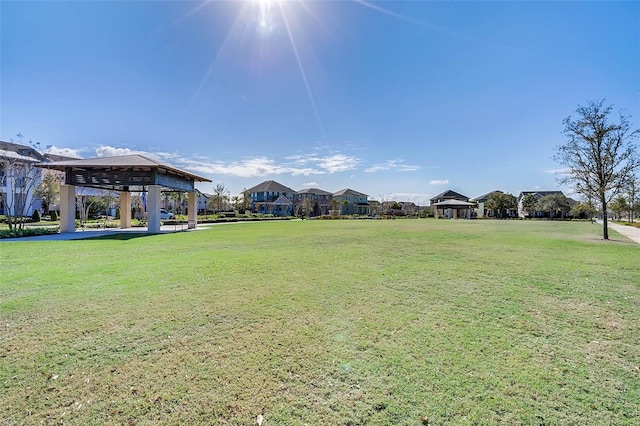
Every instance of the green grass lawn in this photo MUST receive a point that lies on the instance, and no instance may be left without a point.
(324, 323)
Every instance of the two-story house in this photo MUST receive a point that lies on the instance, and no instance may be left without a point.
(348, 201)
(313, 201)
(271, 197)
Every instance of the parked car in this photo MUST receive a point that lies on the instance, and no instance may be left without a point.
(164, 215)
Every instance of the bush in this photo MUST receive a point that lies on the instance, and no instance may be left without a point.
(54, 215)
(27, 232)
(35, 217)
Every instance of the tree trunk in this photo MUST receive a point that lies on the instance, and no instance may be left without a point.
(605, 225)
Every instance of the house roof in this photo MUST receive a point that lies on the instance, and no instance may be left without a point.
(282, 201)
(122, 161)
(314, 191)
(58, 157)
(450, 194)
(4, 153)
(270, 186)
(486, 196)
(453, 203)
(22, 152)
(347, 192)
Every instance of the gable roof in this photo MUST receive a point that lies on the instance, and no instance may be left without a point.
(314, 191)
(453, 203)
(127, 161)
(347, 192)
(486, 196)
(281, 201)
(270, 186)
(449, 194)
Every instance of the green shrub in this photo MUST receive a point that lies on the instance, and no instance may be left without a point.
(54, 215)
(27, 232)
(35, 217)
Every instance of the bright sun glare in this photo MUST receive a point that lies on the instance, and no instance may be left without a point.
(269, 18)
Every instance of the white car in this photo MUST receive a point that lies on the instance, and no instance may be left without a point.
(164, 215)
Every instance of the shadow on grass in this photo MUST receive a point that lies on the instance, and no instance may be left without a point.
(120, 236)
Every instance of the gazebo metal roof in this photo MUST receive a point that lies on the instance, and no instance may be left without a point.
(125, 173)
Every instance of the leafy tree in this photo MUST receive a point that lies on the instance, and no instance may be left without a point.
(90, 202)
(599, 154)
(48, 190)
(178, 199)
(553, 203)
(582, 210)
(236, 202)
(619, 206)
(334, 206)
(501, 203)
(529, 203)
(633, 198)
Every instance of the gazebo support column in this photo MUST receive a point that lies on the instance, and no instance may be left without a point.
(192, 201)
(125, 210)
(67, 208)
(153, 208)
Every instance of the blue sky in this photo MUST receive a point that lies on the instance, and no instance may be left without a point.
(399, 100)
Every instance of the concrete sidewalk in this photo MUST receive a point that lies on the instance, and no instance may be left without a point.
(630, 232)
(93, 233)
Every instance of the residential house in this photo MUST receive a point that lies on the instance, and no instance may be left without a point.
(481, 210)
(451, 205)
(409, 208)
(271, 197)
(347, 201)
(313, 201)
(18, 179)
(395, 208)
(203, 202)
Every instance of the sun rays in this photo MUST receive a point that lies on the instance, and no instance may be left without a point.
(261, 25)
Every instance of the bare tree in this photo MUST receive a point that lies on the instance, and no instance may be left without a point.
(21, 177)
(599, 155)
(220, 198)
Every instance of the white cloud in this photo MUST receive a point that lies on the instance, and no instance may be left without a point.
(338, 163)
(557, 171)
(249, 167)
(67, 152)
(393, 165)
(109, 151)
(439, 182)
(310, 184)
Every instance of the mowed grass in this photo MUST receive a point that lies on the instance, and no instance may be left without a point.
(324, 323)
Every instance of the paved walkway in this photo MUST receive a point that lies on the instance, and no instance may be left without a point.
(93, 233)
(630, 232)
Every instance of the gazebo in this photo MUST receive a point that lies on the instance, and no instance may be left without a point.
(453, 209)
(126, 174)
